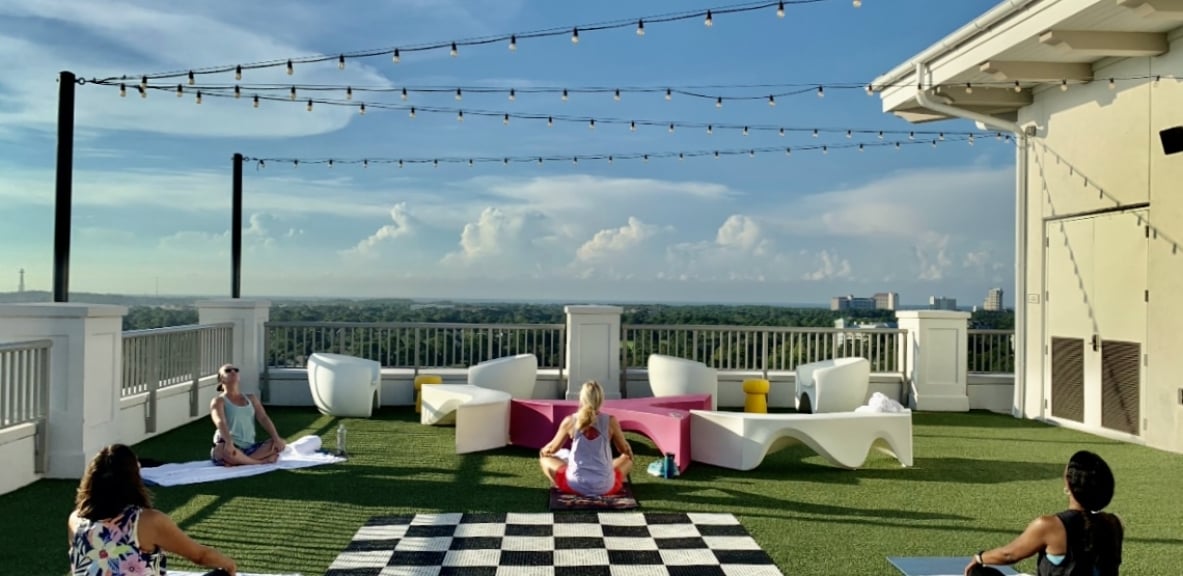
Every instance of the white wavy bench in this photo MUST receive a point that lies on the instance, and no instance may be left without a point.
(481, 415)
(740, 440)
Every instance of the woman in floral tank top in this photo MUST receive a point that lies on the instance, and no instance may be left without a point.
(114, 531)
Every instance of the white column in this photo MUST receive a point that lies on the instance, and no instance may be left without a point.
(248, 317)
(593, 349)
(938, 351)
(85, 375)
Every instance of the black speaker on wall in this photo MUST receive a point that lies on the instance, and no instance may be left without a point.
(1172, 140)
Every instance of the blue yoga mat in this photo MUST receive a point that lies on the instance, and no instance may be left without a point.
(937, 565)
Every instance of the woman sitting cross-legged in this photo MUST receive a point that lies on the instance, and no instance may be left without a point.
(115, 531)
(1080, 541)
(234, 415)
(590, 469)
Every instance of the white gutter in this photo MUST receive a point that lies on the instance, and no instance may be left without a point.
(1021, 174)
(954, 40)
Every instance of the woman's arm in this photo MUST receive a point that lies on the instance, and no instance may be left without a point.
(156, 529)
(1026, 545)
(560, 438)
(218, 414)
(618, 437)
(266, 423)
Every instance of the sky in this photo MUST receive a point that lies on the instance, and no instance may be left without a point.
(152, 178)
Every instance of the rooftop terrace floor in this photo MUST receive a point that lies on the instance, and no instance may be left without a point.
(979, 479)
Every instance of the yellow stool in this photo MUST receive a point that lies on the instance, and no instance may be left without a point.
(757, 396)
(419, 382)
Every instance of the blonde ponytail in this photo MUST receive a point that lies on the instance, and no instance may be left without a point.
(591, 396)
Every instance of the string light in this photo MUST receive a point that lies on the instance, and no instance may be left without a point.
(645, 156)
(453, 45)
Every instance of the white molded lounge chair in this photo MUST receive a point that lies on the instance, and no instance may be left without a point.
(838, 385)
(345, 386)
(515, 375)
(741, 440)
(673, 376)
(481, 415)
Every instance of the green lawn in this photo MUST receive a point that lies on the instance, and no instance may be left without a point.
(979, 478)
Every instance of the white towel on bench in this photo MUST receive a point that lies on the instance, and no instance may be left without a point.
(299, 454)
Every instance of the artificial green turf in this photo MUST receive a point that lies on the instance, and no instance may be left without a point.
(978, 480)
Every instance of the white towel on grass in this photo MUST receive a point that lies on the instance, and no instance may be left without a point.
(299, 454)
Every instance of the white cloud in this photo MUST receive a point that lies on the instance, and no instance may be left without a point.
(614, 241)
(830, 266)
(401, 227)
(932, 256)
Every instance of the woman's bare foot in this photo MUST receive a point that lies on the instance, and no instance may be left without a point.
(272, 459)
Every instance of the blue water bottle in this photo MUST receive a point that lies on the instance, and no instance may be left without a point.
(668, 468)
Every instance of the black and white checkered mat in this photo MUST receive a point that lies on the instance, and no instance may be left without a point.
(563, 544)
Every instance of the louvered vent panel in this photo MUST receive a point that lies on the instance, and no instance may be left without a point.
(1120, 378)
(1068, 378)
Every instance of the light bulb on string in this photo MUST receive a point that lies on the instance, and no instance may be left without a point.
(513, 95)
(616, 95)
(719, 102)
(911, 135)
(969, 88)
(574, 159)
(669, 94)
(459, 95)
(292, 93)
(123, 90)
(941, 136)
(565, 96)
(1063, 85)
(575, 35)
(550, 121)
(412, 113)
(404, 94)
(815, 133)
(771, 101)
(341, 62)
(198, 98)
(361, 111)
(291, 69)
(310, 105)
(1018, 87)
(825, 149)
(716, 154)
(788, 151)
(751, 153)
(143, 81)
(591, 124)
(192, 78)
(455, 51)
(710, 129)
(632, 126)
(365, 163)
(858, 3)
(238, 72)
(396, 57)
(349, 93)
(470, 162)
(709, 20)
(860, 147)
(780, 9)
(671, 128)
(459, 115)
(849, 134)
(897, 145)
(781, 132)
(330, 162)
(745, 130)
(640, 27)
(256, 101)
(821, 92)
(1112, 84)
(880, 134)
(513, 43)
(400, 163)
(237, 92)
(180, 90)
(870, 90)
(505, 119)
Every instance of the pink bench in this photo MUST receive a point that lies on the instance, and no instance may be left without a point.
(665, 420)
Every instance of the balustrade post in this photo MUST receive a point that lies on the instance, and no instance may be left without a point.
(593, 349)
(41, 458)
(416, 352)
(153, 381)
(764, 354)
(936, 365)
(84, 367)
(198, 349)
(249, 318)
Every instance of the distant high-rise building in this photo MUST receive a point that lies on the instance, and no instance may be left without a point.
(942, 303)
(850, 302)
(993, 301)
(20, 287)
(886, 300)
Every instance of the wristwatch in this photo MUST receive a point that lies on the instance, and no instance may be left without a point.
(978, 558)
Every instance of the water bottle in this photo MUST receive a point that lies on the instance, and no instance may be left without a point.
(341, 439)
(669, 468)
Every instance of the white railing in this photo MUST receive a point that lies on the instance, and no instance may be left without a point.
(762, 348)
(413, 345)
(991, 351)
(160, 357)
(24, 390)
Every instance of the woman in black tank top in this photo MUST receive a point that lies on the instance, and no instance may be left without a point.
(1080, 541)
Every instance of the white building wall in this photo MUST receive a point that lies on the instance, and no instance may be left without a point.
(1112, 138)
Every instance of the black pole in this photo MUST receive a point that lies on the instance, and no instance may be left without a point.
(236, 230)
(64, 199)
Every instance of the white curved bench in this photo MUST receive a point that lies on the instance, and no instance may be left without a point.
(515, 375)
(740, 440)
(481, 415)
(838, 385)
(344, 386)
(673, 376)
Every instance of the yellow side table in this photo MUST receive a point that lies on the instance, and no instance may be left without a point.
(419, 382)
(757, 396)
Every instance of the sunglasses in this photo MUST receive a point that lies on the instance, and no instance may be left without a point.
(231, 370)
